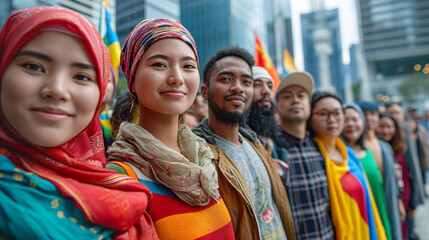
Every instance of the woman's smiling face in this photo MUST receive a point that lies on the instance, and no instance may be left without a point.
(167, 78)
(327, 117)
(49, 91)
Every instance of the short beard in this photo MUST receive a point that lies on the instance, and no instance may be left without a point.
(226, 117)
(261, 120)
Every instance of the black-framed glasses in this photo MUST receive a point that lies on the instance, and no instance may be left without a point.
(325, 114)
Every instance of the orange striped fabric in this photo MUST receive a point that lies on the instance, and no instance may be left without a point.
(174, 219)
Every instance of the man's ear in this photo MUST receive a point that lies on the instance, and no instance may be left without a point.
(205, 92)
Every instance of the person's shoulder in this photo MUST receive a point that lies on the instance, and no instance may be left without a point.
(249, 134)
(383, 144)
(203, 131)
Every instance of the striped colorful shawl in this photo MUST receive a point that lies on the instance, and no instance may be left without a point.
(353, 209)
(174, 219)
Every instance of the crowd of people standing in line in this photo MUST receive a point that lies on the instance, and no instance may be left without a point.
(233, 158)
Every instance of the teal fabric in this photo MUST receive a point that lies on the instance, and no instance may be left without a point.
(33, 208)
(279, 153)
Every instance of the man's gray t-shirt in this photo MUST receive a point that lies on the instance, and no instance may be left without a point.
(258, 182)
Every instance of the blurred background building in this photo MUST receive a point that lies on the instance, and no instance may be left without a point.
(217, 24)
(278, 22)
(131, 12)
(354, 69)
(88, 8)
(395, 40)
(389, 64)
(321, 39)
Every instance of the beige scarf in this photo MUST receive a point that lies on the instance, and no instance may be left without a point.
(191, 176)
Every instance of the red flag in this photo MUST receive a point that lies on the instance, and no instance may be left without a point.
(262, 59)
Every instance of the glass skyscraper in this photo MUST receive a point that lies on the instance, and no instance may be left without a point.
(131, 12)
(217, 24)
(355, 69)
(278, 22)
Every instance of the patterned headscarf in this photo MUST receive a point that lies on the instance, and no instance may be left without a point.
(144, 35)
(75, 167)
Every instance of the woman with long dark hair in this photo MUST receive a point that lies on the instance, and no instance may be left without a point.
(352, 205)
(354, 135)
(389, 130)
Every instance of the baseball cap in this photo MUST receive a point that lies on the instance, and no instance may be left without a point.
(302, 79)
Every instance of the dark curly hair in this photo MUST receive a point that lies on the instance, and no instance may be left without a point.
(233, 51)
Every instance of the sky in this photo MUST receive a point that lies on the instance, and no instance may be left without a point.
(348, 25)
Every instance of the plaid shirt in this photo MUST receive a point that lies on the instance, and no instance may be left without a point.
(307, 188)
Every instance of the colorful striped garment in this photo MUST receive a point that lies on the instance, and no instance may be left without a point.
(36, 203)
(375, 181)
(353, 209)
(174, 219)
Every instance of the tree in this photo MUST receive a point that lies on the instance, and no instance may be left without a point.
(414, 87)
(356, 90)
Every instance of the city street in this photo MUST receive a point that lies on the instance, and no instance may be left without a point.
(422, 219)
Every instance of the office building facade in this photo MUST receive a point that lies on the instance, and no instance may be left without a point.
(278, 20)
(216, 24)
(395, 38)
(131, 12)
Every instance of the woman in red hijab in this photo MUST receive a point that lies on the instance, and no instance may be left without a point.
(54, 69)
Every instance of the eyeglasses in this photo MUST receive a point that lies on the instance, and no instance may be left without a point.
(325, 114)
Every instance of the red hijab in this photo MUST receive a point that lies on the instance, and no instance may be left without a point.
(74, 167)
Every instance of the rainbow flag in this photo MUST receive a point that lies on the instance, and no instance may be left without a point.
(107, 30)
(353, 209)
(262, 59)
(105, 122)
(288, 63)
